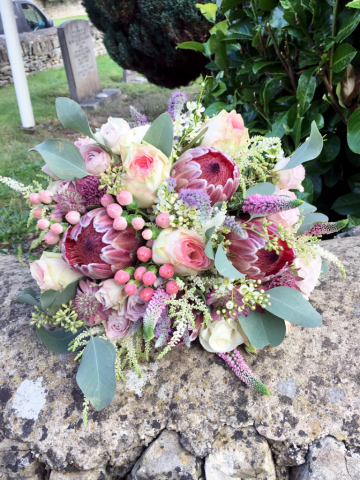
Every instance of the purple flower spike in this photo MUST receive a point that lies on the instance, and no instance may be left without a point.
(327, 228)
(267, 205)
(197, 199)
(139, 118)
(176, 104)
(154, 311)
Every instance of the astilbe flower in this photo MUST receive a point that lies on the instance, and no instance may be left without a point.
(68, 201)
(267, 204)
(153, 312)
(327, 228)
(88, 188)
(231, 223)
(86, 304)
(249, 256)
(176, 104)
(95, 249)
(237, 364)
(209, 170)
(139, 118)
(197, 199)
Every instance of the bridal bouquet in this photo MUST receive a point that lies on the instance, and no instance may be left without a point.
(160, 234)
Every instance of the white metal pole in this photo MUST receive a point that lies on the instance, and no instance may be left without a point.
(16, 63)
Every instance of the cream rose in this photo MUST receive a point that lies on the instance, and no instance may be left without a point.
(112, 131)
(290, 178)
(111, 295)
(146, 168)
(225, 131)
(135, 135)
(182, 248)
(52, 272)
(309, 271)
(221, 336)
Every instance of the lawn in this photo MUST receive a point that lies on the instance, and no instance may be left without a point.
(18, 163)
(59, 21)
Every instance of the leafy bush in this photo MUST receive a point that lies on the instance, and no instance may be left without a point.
(283, 64)
(142, 35)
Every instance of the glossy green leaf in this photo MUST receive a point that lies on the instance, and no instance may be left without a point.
(353, 133)
(289, 304)
(323, 23)
(227, 5)
(72, 116)
(48, 297)
(161, 134)
(310, 220)
(354, 4)
(348, 204)
(96, 375)
(263, 328)
(261, 188)
(63, 158)
(198, 47)
(224, 265)
(308, 150)
(267, 5)
(324, 269)
(278, 128)
(218, 47)
(347, 27)
(293, 9)
(222, 26)
(331, 149)
(241, 31)
(277, 19)
(354, 183)
(215, 108)
(63, 297)
(306, 89)
(343, 56)
(208, 10)
(57, 340)
(260, 65)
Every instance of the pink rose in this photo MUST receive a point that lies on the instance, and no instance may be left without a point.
(52, 273)
(286, 218)
(135, 307)
(96, 159)
(111, 295)
(291, 178)
(226, 130)
(309, 271)
(60, 186)
(146, 169)
(183, 249)
(82, 141)
(112, 131)
(117, 325)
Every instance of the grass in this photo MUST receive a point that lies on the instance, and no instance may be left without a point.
(59, 21)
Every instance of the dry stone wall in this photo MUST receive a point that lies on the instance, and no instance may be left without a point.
(57, 10)
(41, 51)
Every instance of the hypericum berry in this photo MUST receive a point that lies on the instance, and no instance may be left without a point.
(146, 294)
(138, 223)
(43, 223)
(172, 287)
(56, 228)
(121, 277)
(46, 196)
(163, 220)
(73, 217)
(166, 271)
(120, 223)
(37, 212)
(124, 197)
(149, 278)
(55, 218)
(51, 239)
(139, 273)
(147, 234)
(107, 200)
(130, 288)
(34, 198)
(150, 243)
(114, 210)
(143, 254)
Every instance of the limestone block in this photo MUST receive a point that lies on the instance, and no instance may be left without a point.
(239, 453)
(328, 460)
(96, 474)
(17, 462)
(165, 458)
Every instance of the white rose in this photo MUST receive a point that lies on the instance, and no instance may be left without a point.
(135, 135)
(220, 336)
(112, 131)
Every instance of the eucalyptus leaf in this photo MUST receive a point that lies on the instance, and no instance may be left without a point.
(224, 266)
(310, 220)
(48, 297)
(306, 208)
(308, 150)
(263, 328)
(65, 296)
(161, 134)
(72, 116)
(96, 375)
(261, 188)
(63, 158)
(209, 251)
(57, 340)
(289, 304)
(209, 233)
(28, 297)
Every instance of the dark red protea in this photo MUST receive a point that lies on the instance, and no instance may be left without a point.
(249, 256)
(95, 249)
(209, 170)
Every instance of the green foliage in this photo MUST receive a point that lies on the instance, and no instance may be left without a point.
(161, 134)
(286, 65)
(57, 340)
(263, 328)
(142, 35)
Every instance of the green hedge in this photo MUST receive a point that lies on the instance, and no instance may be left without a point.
(283, 64)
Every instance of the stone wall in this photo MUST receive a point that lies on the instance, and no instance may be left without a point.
(41, 51)
(64, 9)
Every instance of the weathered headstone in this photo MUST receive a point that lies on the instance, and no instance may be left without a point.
(79, 59)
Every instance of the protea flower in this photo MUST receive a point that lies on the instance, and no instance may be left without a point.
(86, 305)
(209, 170)
(95, 249)
(249, 256)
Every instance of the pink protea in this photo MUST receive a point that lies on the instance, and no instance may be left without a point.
(249, 256)
(86, 305)
(95, 249)
(209, 170)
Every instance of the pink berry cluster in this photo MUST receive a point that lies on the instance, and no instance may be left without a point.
(54, 224)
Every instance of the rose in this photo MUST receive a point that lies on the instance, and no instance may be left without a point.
(146, 168)
(224, 131)
(117, 325)
(290, 178)
(96, 159)
(112, 131)
(111, 295)
(51, 272)
(82, 141)
(135, 307)
(60, 186)
(286, 218)
(182, 248)
(135, 135)
(309, 272)
(221, 336)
